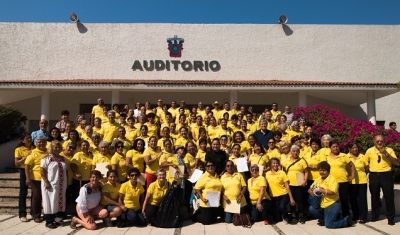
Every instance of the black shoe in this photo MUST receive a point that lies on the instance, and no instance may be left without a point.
(302, 220)
(349, 221)
(121, 223)
(391, 223)
(321, 223)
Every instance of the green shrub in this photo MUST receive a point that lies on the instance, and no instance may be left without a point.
(9, 118)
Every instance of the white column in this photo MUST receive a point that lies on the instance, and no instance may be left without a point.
(233, 97)
(45, 105)
(302, 98)
(114, 97)
(371, 112)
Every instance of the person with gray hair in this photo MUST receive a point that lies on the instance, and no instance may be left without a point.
(259, 198)
(325, 149)
(43, 124)
(263, 135)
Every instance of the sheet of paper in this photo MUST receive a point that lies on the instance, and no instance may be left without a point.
(142, 179)
(261, 169)
(232, 207)
(299, 178)
(102, 167)
(172, 170)
(241, 165)
(213, 198)
(196, 175)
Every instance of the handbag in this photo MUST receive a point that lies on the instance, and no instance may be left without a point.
(241, 220)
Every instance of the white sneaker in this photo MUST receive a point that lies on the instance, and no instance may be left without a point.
(107, 222)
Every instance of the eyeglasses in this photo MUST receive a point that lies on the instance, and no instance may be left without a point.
(229, 165)
(134, 175)
(254, 169)
(209, 165)
(119, 146)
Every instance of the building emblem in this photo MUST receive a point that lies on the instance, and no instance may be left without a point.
(175, 46)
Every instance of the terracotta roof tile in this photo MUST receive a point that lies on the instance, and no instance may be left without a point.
(186, 82)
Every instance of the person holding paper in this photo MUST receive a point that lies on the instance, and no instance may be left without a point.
(296, 169)
(208, 182)
(259, 157)
(166, 153)
(118, 162)
(102, 156)
(260, 199)
(234, 187)
(279, 190)
(235, 155)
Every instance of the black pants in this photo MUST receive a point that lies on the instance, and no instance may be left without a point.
(344, 198)
(384, 181)
(207, 215)
(151, 213)
(36, 205)
(279, 205)
(23, 193)
(298, 193)
(358, 201)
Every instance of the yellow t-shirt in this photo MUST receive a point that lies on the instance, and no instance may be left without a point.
(212, 131)
(119, 160)
(160, 143)
(276, 182)
(254, 186)
(97, 110)
(360, 164)
(181, 141)
(33, 160)
(252, 127)
(372, 157)
(84, 163)
(137, 159)
(110, 132)
(195, 131)
(113, 192)
(153, 167)
(305, 150)
(22, 152)
(244, 146)
(313, 160)
(131, 195)
(99, 131)
(208, 183)
(232, 186)
(99, 158)
(68, 160)
(127, 144)
(164, 157)
(190, 161)
(338, 167)
(157, 193)
(152, 129)
(258, 159)
(201, 155)
(325, 151)
(131, 134)
(299, 166)
(331, 184)
(273, 153)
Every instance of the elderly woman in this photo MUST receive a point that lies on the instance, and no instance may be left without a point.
(134, 157)
(152, 157)
(87, 207)
(234, 187)
(33, 177)
(339, 163)
(279, 190)
(131, 196)
(54, 185)
(295, 166)
(259, 198)
(208, 182)
(284, 149)
(154, 196)
(110, 196)
(325, 149)
(21, 152)
(118, 161)
(327, 188)
(81, 165)
(358, 186)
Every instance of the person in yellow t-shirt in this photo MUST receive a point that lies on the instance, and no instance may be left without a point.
(259, 157)
(143, 135)
(110, 128)
(327, 188)
(68, 154)
(272, 150)
(110, 195)
(97, 110)
(131, 196)
(358, 186)
(340, 163)
(201, 152)
(208, 182)
(260, 200)
(152, 157)
(313, 158)
(102, 156)
(213, 128)
(245, 148)
(279, 191)
(234, 187)
(98, 128)
(81, 165)
(154, 196)
(274, 111)
(131, 131)
(325, 149)
(166, 153)
(184, 137)
(243, 128)
(297, 171)
(118, 162)
(33, 177)
(151, 125)
(134, 157)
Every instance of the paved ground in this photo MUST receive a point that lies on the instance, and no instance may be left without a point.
(10, 225)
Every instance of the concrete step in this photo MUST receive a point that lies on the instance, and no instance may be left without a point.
(11, 190)
(12, 207)
(11, 195)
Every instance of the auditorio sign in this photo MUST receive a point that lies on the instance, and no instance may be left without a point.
(175, 47)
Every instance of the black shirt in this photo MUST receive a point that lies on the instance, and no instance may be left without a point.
(219, 158)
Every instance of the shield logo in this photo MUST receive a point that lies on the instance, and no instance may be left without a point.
(175, 46)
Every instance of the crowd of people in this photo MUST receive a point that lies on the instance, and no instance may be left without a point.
(287, 167)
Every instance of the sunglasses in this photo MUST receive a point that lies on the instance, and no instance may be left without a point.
(134, 175)
(254, 169)
(71, 147)
(271, 142)
(229, 165)
(209, 165)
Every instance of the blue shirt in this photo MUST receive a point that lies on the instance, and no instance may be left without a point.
(264, 137)
(38, 133)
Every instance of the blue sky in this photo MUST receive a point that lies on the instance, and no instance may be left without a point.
(203, 11)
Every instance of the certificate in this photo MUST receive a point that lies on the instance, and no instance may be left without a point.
(196, 175)
(172, 171)
(102, 167)
(260, 169)
(142, 179)
(299, 178)
(213, 198)
(241, 165)
(232, 207)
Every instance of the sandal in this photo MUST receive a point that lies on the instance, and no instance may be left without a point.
(38, 220)
(73, 223)
(24, 219)
(51, 226)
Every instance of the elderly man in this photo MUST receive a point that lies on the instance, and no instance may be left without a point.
(43, 124)
(289, 115)
(263, 135)
(381, 159)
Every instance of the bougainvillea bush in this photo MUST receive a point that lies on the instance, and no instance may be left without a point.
(9, 117)
(325, 120)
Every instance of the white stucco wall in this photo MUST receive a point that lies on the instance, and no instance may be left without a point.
(57, 51)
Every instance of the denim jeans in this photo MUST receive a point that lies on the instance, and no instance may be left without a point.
(135, 217)
(255, 212)
(280, 207)
(229, 216)
(329, 215)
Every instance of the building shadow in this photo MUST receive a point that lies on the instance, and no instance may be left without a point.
(82, 28)
(288, 31)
